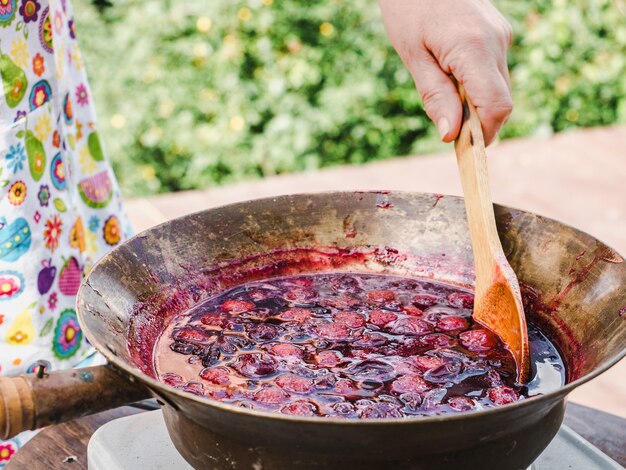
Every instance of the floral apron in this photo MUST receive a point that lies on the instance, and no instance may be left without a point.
(60, 208)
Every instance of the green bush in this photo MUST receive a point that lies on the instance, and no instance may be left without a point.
(198, 93)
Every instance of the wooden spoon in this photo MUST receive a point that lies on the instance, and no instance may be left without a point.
(497, 303)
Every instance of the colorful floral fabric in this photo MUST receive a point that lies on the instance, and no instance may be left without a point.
(60, 208)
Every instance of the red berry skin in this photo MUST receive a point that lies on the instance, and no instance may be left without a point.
(412, 310)
(410, 326)
(493, 378)
(237, 306)
(478, 340)
(461, 300)
(301, 294)
(344, 409)
(271, 395)
(437, 340)
(300, 408)
(218, 393)
(255, 365)
(259, 294)
(213, 319)
(427, 362)
(502, 395)
(194, 387)
(381, 410)
(190, 335)
(332, 331)
(342, 303)
(216, 375)
(172, 379)
(425, 300)
(381, 296)
(409, 384)
(301, 281)
(264, 332)
(294, 383)
(344, 284)
(453, 323)
(345, 387)
(461, 403)
(370, 340)
(360, 353)
(299, 315)
(380, 318)
(327, 359)
(406, 367)
(285, 350)
(350, 319)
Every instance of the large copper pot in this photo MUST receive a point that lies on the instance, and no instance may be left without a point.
(573, 287)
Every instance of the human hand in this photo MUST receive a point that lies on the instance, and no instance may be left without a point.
(467, 39)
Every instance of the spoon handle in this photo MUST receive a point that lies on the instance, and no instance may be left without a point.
(472, 163)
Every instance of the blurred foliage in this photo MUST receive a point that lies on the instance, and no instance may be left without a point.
(198, 93)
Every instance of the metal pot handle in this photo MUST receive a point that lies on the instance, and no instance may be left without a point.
(36, 400)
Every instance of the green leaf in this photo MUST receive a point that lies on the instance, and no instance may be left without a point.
(47, 328)
(233, 100)
(60, 205)
(95, 148)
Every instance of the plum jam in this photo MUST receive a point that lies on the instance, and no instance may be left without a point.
(347, 345)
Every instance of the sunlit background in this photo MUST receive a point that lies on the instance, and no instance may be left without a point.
(202, 93)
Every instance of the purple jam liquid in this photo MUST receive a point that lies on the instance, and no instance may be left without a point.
(347, 345)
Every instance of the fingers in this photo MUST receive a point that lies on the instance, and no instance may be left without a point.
(484, 72)
(440, 96)
(488, 88)
(490, 93)
(504, 71)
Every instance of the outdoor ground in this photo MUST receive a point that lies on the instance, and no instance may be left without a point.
(577, 177)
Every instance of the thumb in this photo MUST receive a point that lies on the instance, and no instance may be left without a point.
(442, 102)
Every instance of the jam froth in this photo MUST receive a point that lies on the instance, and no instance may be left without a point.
(347, 345)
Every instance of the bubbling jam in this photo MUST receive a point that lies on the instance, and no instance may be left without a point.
(347, 345)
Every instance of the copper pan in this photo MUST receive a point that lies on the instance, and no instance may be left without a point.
(573, 287)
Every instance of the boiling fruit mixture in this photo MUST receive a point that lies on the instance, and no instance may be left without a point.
(347, 345)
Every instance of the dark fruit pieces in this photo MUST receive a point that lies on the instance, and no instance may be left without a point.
(347, 345)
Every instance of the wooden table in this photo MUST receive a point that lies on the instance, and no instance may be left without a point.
(65, 446)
